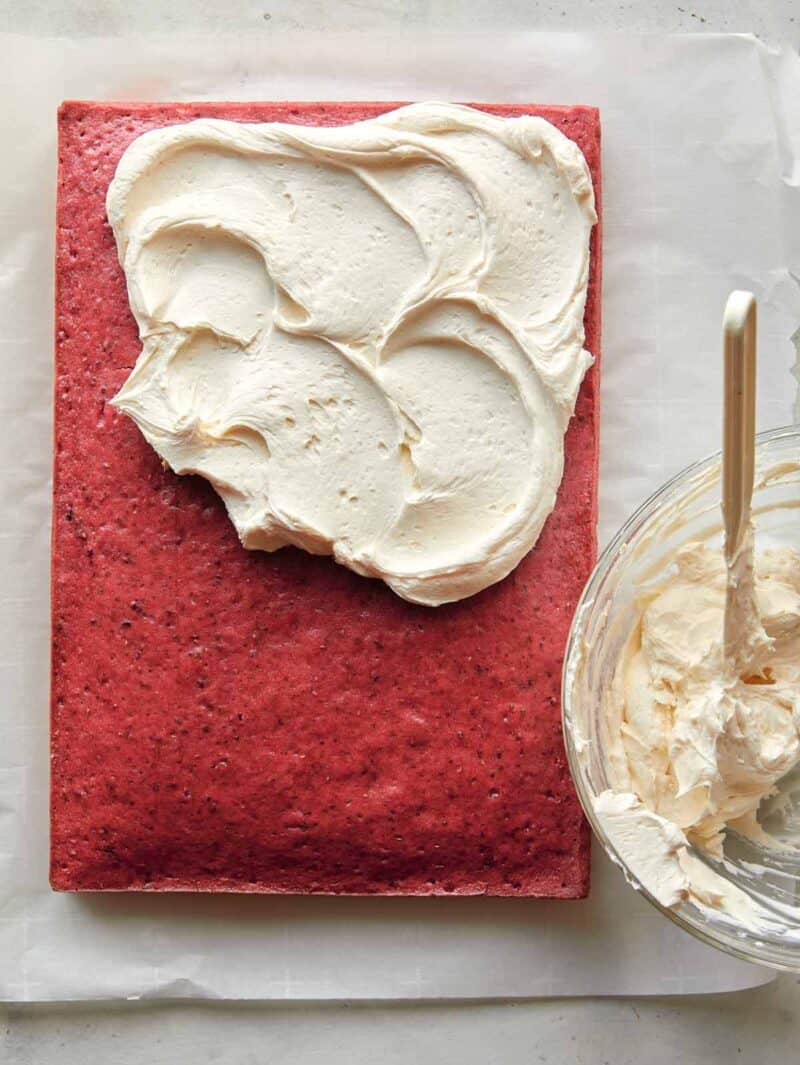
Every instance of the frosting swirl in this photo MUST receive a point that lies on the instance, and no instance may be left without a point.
(368, 338)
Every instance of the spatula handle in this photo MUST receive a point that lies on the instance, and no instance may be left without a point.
(739, 419)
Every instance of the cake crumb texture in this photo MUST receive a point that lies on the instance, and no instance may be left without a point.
(225, 720)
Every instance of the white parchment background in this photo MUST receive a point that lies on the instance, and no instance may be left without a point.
(702, 194)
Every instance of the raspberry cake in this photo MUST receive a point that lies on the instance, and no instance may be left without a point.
(236, 720)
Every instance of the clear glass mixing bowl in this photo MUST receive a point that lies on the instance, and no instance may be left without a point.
(684, 510)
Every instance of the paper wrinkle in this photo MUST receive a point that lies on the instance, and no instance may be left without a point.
(684, 224)
(782, 76)
(178, 987)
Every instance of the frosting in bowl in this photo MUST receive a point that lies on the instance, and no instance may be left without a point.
(368, 338)
(699, 732)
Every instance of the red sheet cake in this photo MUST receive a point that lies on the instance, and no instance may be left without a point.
(226, 720)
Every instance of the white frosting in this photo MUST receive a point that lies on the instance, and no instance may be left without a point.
(649, 845)
(657, 854)
(368, 338)
(701, 731)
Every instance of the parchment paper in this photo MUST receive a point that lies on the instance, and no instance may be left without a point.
(702, 179)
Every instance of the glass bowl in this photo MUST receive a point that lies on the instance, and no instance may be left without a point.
(687, 509)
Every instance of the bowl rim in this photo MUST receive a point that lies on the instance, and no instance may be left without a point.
(745, 948)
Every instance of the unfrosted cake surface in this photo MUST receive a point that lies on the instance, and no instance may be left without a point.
(234, 720)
